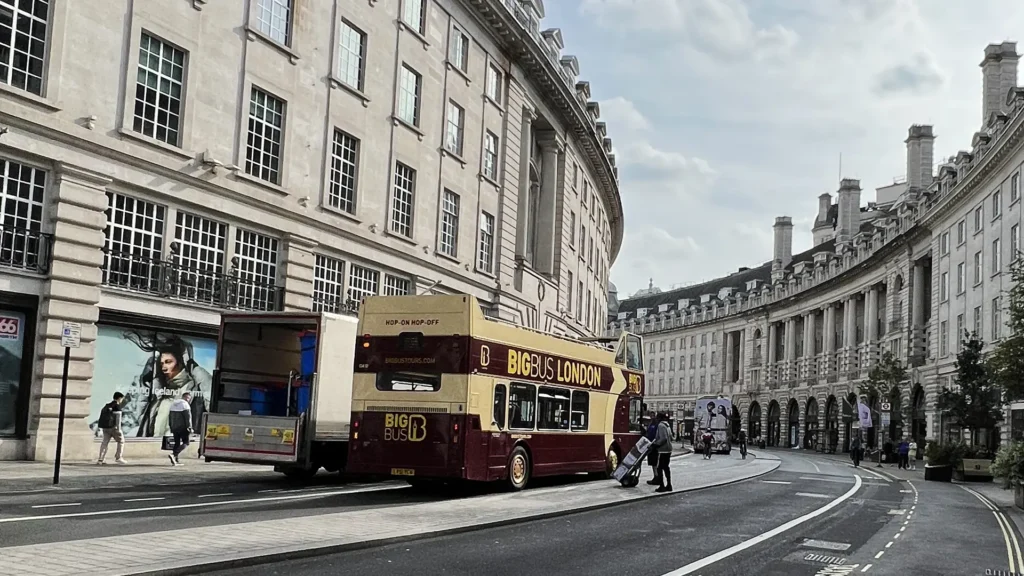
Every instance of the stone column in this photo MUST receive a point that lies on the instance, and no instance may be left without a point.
(871, 316)
(552, 148)
(72, 293)
(810, 322)
(791, 348)
(772, 344)
(741, 361)
(727, 358)
(917, 300)
(297, 272)
(829, 336)
(523, 217)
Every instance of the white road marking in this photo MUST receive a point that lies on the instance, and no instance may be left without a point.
(144, 499)
(897, 512)
(819, 479)
(214, 495)
(774, 482)
(896, 535)
(722, 554)
(57, 505)
(195, 505)
(265, 491)
(902, 528)
(812, 495)
(826, 545)
(879, 555)
(865, 569)
(889, 545)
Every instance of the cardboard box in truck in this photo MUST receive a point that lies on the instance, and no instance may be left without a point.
(282, 392)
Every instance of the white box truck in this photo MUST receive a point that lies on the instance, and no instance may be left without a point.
(282, 392)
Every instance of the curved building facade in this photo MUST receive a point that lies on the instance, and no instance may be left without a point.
(788, 340)
(161, 162)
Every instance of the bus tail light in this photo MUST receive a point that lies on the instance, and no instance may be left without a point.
(366, 341)
(455, 433)
(355, 429)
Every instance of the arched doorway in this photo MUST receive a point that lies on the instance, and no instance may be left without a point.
(774, 424)
(754, 421)
(811, 424)
(831, 424)
(793, 436)
(918, 420)
(737, 421)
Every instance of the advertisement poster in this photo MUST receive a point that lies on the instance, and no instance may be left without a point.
(151, 369)
(12, 345)
(714, 414)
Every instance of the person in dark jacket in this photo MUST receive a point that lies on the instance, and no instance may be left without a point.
(651, 432)
(180, 423)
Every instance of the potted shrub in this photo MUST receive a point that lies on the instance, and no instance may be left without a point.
(976, 464)
(942, 460)
(1009, 468)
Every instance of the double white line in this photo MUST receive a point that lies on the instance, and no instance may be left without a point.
(1009, 537)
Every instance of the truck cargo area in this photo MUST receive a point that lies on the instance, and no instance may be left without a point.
(282, 392)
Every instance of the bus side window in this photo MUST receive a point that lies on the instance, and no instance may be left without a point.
(522, 406)
(580, 410)
(499, 406)
(620, 354)
(634, 355)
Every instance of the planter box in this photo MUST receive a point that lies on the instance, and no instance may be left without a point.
(938, 473)
(977, 469)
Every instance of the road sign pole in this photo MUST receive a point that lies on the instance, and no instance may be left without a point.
(70, 337)
(60, 417)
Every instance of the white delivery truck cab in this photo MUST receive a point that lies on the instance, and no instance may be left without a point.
(282, 392)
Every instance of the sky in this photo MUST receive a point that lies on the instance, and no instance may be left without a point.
(727, 113)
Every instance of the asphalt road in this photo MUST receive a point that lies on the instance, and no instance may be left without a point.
(811, 516)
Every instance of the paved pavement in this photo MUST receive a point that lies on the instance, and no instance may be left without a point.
(290, 533)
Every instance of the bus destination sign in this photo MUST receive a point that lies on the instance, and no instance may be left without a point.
(501, 360)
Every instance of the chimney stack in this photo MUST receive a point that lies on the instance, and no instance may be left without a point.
(824, 203)
(999, 74)
(783, 253)
(849, 210)
(920, 142)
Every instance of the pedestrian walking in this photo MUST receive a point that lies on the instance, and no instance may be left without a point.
(180, 423)
(904, 454)
(912, 454)
(651, 433)
(110, 424)
(663, 443)
(855, 449)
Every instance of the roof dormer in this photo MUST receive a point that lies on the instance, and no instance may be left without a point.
(594, 109)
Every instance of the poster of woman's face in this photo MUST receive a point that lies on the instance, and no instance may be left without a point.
(151, 369)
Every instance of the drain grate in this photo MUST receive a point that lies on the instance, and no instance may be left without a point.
(824, 559)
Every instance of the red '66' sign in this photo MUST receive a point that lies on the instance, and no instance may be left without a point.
(10, 328)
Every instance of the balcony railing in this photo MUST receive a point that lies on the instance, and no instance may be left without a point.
(170, 279)
(335, 304)
(23, 249)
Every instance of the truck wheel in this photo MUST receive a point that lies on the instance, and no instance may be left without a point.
(518, 469)
(303, 474)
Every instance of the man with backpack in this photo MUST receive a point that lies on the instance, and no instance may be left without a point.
(110, 424)
(179, 420)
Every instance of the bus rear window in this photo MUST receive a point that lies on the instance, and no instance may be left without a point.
(406, 382)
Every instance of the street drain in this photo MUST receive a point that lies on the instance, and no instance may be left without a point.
(824, 559)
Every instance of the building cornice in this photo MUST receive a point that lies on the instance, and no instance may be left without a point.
(511, 25)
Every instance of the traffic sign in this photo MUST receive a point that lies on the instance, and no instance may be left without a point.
(886, 406)
(71, 335)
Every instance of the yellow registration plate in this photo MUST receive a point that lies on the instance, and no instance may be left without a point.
(403, 472)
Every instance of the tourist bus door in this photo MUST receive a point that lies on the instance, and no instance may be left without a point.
(498, 448)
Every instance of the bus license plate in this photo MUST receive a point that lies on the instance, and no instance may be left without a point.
(403, 472)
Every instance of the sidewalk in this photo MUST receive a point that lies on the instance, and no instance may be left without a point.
(183, 551)
(18, 476)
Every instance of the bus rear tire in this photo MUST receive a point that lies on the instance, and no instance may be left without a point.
(300, 474)
(518, 469)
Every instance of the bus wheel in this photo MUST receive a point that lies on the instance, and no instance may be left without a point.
(303, 474)
(611, 463)
(518, 469)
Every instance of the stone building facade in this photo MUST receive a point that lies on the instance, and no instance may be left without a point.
(789, 340)
(162, 162)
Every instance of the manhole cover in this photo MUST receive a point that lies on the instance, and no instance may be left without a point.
(825, 545)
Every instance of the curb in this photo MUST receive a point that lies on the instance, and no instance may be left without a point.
(379, 542)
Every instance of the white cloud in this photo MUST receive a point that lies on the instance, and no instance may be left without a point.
(727, 113)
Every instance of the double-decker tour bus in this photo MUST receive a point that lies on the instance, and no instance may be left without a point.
(443, 393)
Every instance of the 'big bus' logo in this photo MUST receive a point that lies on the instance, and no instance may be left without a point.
(633, 383)
(405, 427)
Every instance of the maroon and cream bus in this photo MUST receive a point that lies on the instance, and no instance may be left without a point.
(443, 393)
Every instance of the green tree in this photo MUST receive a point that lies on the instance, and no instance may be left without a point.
(885, 381)
(975, 402)
(1005, 364)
